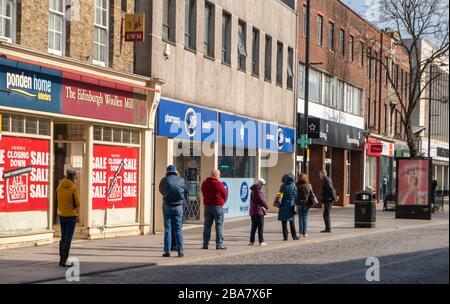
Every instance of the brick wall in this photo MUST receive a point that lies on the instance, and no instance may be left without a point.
(32, 31)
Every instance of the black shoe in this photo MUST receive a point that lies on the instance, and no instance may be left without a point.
(205, 247)
(295, 238)
(285, 239)
(325, 231)
(221, 248)
(181, 254)
(166, 254)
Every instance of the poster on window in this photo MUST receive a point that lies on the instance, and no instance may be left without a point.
(413, 182)
(115, 177)
(24, 174)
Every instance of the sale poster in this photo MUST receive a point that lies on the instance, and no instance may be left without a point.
(24, 174)
(115, 177)
(413, 182)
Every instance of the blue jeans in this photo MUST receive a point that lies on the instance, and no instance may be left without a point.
(173, 216)
(67, 228)
(213, 214)
(303, 219)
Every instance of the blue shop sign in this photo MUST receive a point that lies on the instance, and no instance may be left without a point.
(29, 86)
(277, 138)
(177, 120)
(238, 131)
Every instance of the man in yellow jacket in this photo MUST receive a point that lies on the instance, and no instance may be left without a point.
(68, 211)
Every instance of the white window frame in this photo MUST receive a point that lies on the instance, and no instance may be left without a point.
(58, 14)
(12, 19)
(101, 27)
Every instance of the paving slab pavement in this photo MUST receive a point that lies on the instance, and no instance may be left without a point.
(39, 264)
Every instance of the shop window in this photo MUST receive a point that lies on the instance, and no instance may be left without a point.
(169, 11)
(135, 138)
(117, 135)
(97, 133)
(190, 24)
(279, 63)
(107, 134)
(226, 38)
(6, 122)
(209, 30)
(126, 136)
(319, 30)
(268, 59)
(31, 125)
(255, 51)
(237, 163)
(44, 127)
(17, 124)
(290, 69)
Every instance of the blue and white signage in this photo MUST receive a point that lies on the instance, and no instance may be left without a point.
(238, 131)
(238, 202)
(276, 138)
(181, 121)
(30, 87)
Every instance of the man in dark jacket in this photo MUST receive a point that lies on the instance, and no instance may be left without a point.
(214, 197)
(173, 189)
(327, 196)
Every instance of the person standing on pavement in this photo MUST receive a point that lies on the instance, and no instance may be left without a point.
(327, 196)
(214, 197)
(68, 211)
(173, 189)
(174, 230)
(304, 190)
(286, 212)
(258, 207)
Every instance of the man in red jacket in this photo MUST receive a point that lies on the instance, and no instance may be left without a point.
(214, 197)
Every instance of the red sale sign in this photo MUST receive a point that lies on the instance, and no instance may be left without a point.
(115, 177)
(24, 174)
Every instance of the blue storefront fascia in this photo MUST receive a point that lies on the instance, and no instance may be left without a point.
(181, 121)
(25, 98)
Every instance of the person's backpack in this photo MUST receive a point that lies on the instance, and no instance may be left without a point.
(312, 200)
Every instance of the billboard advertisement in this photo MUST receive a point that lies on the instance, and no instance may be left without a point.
(413, 182)
(115, 177)
(24, 174)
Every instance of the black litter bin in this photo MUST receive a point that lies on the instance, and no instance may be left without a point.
(365, 210)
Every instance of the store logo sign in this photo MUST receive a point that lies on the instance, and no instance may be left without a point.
(115, 193)
(244, 192)
(281, 138)
(352, 141)
(17, 188)
(190, 122)
(30, 86)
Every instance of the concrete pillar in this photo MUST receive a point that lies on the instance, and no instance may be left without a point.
(316, 163)
(284, 165)
(339, 174)
(146, 189)
(164, 158)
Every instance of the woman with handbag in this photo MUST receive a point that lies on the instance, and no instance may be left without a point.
(286, 211)
(305, 200)
(258, 206)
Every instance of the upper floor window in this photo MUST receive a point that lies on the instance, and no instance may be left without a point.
(290, 68)
(169, 11)
(342, 42)
(304, 21)
(268, 59)
(101, 32)
(56, 27)
(7, 20)
(226, 38)
(351, 47)
(361, 54)
(279, 63)
(209, 30)
(255, 50)
(331, 36)
(242, 45)
(190, 24)
(319, 30)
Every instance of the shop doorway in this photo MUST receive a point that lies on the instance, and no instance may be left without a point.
(189, 167)
(329, 162)
(69, 151)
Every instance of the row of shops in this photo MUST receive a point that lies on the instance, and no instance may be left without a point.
(119, 135)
